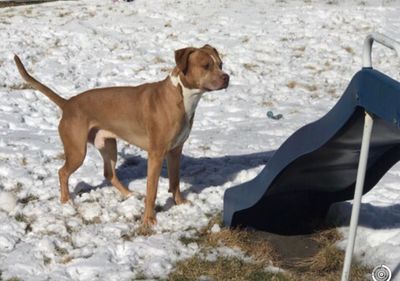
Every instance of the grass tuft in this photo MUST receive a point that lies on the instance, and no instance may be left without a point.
(21, 218)
(250, 66)
(223, 268)
(293, 84)
(28, 199)
(260, 251)
(327, 264)
(349, 50)
(21, 86)
(61, 251)
(13, 279)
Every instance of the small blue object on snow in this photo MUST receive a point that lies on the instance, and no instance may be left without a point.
(271, 115)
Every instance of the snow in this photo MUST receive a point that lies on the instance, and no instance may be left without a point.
(7, 201)
(293, 58)
(215, 228)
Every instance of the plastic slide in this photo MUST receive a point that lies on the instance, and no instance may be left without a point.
(317, 165)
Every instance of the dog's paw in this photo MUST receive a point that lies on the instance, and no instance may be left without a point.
(149, 221)
(65, 199)
(145, 230)
(181, 200)
(68, 209)
(128, 194)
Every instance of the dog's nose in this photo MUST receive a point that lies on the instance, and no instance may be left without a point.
(225, 77)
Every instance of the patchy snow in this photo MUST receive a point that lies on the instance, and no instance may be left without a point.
(293, 59)
(7, 201)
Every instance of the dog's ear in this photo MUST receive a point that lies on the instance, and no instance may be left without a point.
(182, 58)
(206, 46)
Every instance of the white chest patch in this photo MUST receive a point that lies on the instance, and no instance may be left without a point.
(191, 98)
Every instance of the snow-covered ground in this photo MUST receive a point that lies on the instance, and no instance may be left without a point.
(293, 59)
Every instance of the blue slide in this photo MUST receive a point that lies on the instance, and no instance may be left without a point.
(317, 165)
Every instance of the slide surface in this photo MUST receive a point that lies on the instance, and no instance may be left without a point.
(317, 165)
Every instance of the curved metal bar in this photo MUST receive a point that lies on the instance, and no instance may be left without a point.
(382, 39)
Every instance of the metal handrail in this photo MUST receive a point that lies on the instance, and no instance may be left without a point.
(382, 39)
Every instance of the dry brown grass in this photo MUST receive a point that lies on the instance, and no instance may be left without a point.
(95, 220)
(227, 268)
(325, 265)
(293, 84)
(260, 251)
(66, 259)
(327, 260)
(250, 66)
(21, 86)
(14, 279)
(158, 60)
(327, 236)
(24, 162)
(223, 268)
(349, 50)
(245, 39)
(267, 103)
(28, 198)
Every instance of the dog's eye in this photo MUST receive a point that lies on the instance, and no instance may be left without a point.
(220, 65)
(206, 66)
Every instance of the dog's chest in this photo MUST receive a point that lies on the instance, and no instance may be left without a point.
(183, 134)
(191, 98)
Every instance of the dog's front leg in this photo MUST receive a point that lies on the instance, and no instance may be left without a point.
(173, 162)
(154, 165)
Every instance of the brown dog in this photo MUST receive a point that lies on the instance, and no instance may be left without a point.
(156, 117)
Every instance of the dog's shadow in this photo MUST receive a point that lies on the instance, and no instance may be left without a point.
(200, 173)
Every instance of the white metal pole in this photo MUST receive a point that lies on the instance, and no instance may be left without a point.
(362, 166)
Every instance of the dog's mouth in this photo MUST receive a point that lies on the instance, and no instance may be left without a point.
(215, 89)
(223, 83)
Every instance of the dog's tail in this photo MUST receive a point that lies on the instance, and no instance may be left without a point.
(37, 85)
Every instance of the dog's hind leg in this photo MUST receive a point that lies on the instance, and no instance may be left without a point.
(108, 151)
(74, 137)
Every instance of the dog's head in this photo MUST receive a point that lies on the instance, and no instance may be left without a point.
(202, 68)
